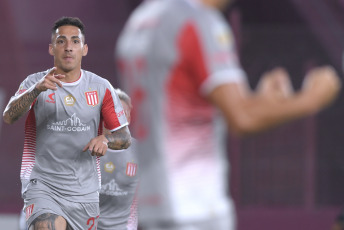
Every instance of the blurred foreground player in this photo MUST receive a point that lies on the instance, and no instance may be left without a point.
(177, 60)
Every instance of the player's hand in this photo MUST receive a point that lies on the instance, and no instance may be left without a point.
(97, 146)
(50, 81)
(275, 84)
(322, 85)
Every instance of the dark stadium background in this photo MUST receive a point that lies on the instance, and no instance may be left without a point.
(288, 178)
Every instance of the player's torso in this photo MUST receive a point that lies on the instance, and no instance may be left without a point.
(70, 116)
(178, 127)
(65, 121)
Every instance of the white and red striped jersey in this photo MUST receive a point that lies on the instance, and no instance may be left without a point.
(170, 56)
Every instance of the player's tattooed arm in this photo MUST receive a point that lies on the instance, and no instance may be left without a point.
(19, 105)
(120, 139)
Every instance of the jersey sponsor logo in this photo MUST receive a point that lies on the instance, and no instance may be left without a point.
(112, 189)
(121, 113)
(131, 169)
(51, 98)
(69, 100)
(29, 211)
(92, 98)
(72, 124)
(109, 167)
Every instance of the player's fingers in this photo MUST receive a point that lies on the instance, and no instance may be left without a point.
(55, 79)
(97, 150)
(58, 83)
(103, 151)
(86, 147)
(50, 85)
(59, 76)
(52, 71)
(94, 152)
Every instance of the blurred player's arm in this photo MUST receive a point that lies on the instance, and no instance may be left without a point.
(273, 102)
(20, 104)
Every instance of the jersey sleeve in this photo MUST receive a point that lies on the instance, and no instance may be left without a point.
(112, 110)
(29, 82)
(216, 61)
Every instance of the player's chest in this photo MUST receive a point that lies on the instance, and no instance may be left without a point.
(74, 103)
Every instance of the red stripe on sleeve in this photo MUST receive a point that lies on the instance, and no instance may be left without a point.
(108, 112)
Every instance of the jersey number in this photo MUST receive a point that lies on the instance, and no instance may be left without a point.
(91, 222)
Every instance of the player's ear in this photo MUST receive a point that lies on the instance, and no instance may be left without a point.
(51, 50)
(85, 50)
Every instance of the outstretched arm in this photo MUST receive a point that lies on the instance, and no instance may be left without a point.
(20, 104)
(249, 112)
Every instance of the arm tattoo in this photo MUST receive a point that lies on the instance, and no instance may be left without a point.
(21, 104)
(120, 139)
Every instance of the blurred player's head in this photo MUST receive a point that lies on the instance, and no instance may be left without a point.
(126, 102)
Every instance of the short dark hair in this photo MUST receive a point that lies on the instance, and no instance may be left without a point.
(73, 21)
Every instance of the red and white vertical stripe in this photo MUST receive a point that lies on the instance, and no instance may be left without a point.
(28, 158)
(133, 217)
(92, 98)
(28, 211)
(131, 169)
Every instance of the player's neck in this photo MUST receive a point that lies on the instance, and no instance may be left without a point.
(71, 76)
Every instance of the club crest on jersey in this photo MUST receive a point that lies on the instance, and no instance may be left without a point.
(29, 211)
(131, 169)
(92, 98)
(69, 100)
(109, 167)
